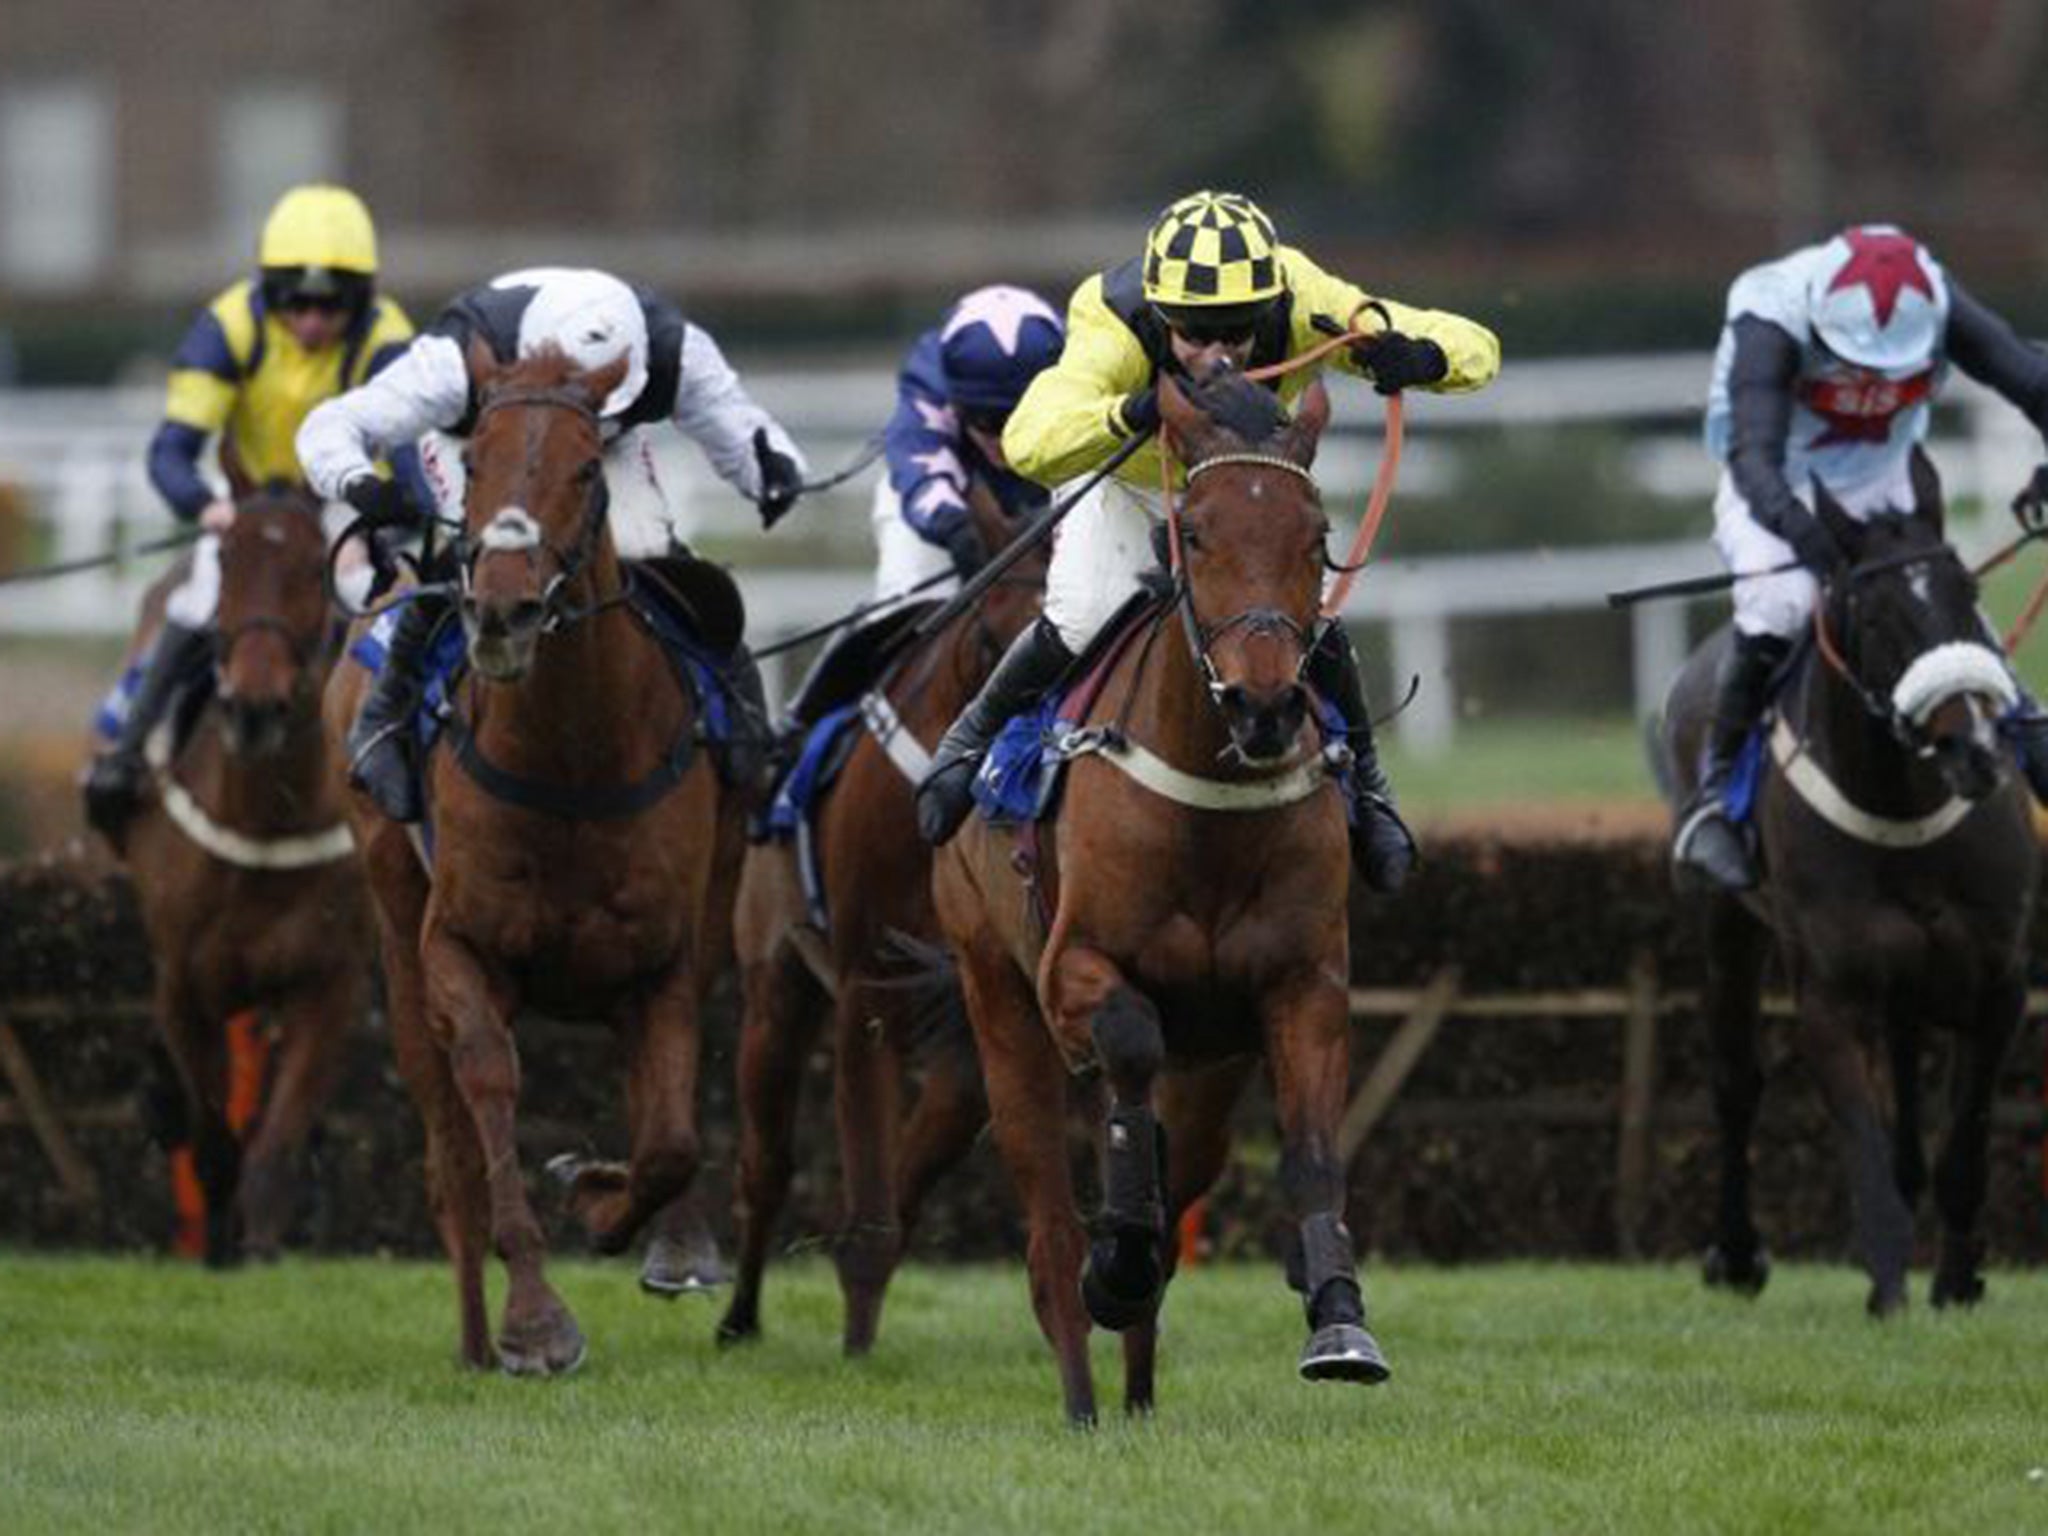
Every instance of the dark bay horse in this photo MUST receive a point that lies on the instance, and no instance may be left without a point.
(877, 878)
(1900, 866)
(246, 874)
(1198, 875)
(606, 896)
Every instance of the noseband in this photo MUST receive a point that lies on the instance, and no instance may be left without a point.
(522, 534)
(1253, 621)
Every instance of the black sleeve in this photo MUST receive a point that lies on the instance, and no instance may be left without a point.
(1760, 379)
(1987, 349)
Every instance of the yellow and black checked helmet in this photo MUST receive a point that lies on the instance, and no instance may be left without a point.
(1212, 248)
(318, 246)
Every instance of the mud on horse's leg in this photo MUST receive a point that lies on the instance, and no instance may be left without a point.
(1126, 1264)
(539, 1336)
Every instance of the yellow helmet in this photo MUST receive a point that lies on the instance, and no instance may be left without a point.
(319, 226)
(1212, 248)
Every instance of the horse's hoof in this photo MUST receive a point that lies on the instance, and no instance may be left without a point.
(553, 1347)
(1112, 1309)
(1744, 1274)
(1343, 1352)
(731, 1332)
(563, 1169)
(1957, 1290)
(671, 1270)
(1886, 1300)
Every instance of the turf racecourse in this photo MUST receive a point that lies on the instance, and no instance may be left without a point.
(321, 1396)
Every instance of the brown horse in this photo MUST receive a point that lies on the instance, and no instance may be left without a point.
(245, 873)
(1197, 876)
(1900, 867)
(593, 878)
(877, 886)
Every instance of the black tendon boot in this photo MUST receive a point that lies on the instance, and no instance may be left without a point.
(1035, 661)
(380, 743)
(113, 784)
(1708, 839)
(1381, 845)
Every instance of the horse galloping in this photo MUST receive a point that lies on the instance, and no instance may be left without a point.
(876, 879)
(584, 856)
(1901, 865)
(1196, 879)
(244, 871)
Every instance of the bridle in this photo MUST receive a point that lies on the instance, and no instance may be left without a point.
(303, 648)
(1847, 590)
(1254, 621)
(514, 531)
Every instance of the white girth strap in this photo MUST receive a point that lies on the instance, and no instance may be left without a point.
(894, 738)
(305, 850)
(1811, 783)
(1170, 783)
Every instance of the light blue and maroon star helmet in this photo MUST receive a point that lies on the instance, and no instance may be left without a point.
(995, 341)
(1879, 300)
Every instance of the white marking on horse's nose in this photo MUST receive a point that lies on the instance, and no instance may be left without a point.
(513, 531)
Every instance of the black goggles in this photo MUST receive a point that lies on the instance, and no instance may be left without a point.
(985, 418)
(1226, 327)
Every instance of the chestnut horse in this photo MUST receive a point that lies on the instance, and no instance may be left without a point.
(246, 875)
(1198, 874)
(1900, 866)
(876, 874)
(607, 895)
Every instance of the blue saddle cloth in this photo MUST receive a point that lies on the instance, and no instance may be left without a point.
(796, 798)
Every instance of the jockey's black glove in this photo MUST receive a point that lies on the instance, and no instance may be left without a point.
(381, 503)
(1139, 412)
(781, 483)
(969, 553)
(2030, 507)
(382, 547)
(1815, 546)
(1397, 362)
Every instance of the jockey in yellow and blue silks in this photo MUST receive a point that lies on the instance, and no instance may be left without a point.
(260, 356)
(1214, 283)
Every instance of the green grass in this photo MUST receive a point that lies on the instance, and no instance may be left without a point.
(1546, 761)
(322, 1396)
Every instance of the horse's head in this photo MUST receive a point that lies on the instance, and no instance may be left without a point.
(272, 619)
(1252, 531)
(534, 517)
(1904, 624)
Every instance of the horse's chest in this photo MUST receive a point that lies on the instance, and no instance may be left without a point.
(556, 916)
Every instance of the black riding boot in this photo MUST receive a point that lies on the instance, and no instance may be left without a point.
(1708, 839)
(1035, 661)
(748, 755)
(380, 743)
(1381, 845)
(113, 784)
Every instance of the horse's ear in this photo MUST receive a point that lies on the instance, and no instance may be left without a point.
(1184, 427)
(597, 385)
(1311, 416)
(1847, 532)
(1927, 500)
(483, 365)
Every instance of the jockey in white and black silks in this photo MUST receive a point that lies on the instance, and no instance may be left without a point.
(1214, 282)
(954, 394)
(675, 373)
(1829, 362)
(259, 357)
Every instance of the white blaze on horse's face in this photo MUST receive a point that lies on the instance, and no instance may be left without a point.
(512, 531)
(502, 612)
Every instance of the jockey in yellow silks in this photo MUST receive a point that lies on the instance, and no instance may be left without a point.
(1214, 282)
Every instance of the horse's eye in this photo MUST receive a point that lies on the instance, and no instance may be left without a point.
(589, 472)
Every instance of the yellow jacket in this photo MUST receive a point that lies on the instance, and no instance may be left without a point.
(1068, 421)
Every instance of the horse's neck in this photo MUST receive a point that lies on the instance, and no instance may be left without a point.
(278, 796)
(595, 686)
(931, 690)
(1856, 748)
(1168, 703)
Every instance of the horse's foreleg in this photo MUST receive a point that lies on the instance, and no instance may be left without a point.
(198, 1046)
(950, 1112)
(1307, 1028)
(1194, 1112)
(464, 1008)
(1962, 1172)
(316, 1025)
(1027, 1095)
(457, 1190)
(1884, 1227)
(1735, 949)
(867, 1083)
(781, 1005)
(1909, 1157)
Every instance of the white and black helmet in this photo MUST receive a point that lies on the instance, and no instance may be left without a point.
(588, 316)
